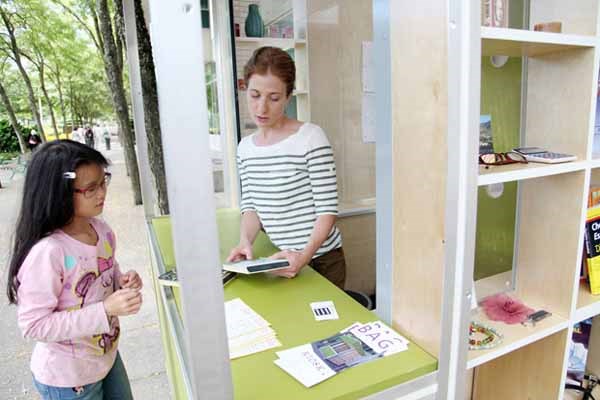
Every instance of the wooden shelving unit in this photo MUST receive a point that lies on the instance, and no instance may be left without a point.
(558, 88)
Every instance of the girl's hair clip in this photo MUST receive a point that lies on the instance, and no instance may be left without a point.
(69, 175)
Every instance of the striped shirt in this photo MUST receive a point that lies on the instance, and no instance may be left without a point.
(289, 184)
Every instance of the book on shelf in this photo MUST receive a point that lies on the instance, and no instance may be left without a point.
(578, 351)
(594, 196)
(592, 247)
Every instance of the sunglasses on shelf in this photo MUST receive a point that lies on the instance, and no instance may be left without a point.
(502, 158)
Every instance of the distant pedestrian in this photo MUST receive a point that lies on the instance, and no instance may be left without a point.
(64, 279)
(33, 140)
(89, 137)
(106, 136)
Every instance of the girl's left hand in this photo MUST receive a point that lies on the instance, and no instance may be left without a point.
(296, 259)
(130, 279)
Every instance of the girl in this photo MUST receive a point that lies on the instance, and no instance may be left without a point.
(289, 185)
(65, 280)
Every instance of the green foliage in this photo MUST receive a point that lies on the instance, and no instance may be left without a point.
(8, 140)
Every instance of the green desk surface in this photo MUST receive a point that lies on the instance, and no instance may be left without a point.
(285, 304)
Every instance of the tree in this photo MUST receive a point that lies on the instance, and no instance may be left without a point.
(11, 113)
(151, 112)
(16, 56)
(109, 45)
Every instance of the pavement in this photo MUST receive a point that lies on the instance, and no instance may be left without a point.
(140, 344)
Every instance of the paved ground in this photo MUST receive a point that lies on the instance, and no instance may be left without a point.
(140, 345)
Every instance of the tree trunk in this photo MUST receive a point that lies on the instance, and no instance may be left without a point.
(61, 99)
(12, 117)
(17, 58)
(45, 92)
(115, 80)
(151, 113)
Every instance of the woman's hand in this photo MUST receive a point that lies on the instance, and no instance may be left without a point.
(123, 302)
(296, 259)
(130, 280)
(243, 251)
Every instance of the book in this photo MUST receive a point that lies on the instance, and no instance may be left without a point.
(486, 142)
(256, 266)
(578, 350)
(592, 247)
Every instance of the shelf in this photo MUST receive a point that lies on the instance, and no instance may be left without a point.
(283, 43)
(520, 42)
(299, 92)
(595, 162)
(588, 305)
(515, 336)
(519, 172)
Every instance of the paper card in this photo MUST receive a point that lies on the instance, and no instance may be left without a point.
(324, 310)
(303, 364)
(381, 338)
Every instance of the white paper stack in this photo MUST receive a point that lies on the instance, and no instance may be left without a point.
(247, 332)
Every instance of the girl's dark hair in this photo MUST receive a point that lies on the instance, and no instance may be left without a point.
(274, 60)
(47, 202)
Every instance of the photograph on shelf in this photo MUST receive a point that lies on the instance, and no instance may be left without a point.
(494, 13)
(486, 142)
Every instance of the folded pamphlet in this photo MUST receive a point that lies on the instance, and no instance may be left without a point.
(315, 362)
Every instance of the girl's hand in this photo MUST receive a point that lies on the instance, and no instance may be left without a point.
(296, 259)
(123, 302)
(240, 252)
(130, 280)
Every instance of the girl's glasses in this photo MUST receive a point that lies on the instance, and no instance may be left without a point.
(92, 190)
(502, 158)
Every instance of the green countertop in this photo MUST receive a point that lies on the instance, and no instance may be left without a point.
(285, 304)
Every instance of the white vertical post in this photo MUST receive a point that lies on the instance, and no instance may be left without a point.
(178, 54)
(133, 62)
(383, 158)
(464, 70)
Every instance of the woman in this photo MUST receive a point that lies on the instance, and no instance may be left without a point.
(287, 170)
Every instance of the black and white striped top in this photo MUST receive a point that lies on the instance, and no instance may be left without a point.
(289, 184)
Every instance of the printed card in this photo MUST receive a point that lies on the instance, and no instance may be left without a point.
(324, 310)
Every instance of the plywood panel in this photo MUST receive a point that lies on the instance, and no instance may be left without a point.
(358, 235)
(336, 30)
(549, 240)
(580, 19)
(531, 373)
(559, 95)
(419, 128)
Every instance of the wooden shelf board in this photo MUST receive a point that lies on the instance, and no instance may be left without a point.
(284, 43)
(595, 162)
(519, 172)
(520, 42)
(515, 336)
(588, 305)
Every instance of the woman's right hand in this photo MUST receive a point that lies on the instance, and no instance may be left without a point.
(240, 252)
(123, 302)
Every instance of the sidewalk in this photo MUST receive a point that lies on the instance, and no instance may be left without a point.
(140, 344)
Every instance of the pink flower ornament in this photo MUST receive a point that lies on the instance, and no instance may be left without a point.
(501, 307)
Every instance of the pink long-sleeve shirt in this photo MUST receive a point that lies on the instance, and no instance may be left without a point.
(63, 283)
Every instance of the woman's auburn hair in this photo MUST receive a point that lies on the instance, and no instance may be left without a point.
(274, 60)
